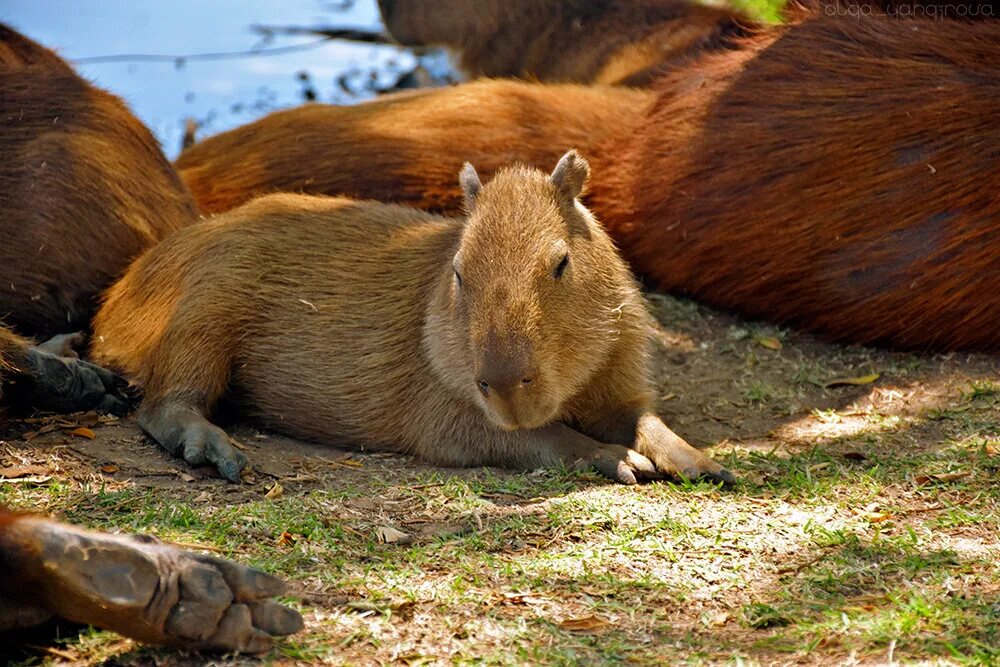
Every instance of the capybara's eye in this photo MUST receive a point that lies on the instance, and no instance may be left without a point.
(458, 278)
(562, 266)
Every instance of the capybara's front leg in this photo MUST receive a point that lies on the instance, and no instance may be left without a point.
(142, 588)
(180, 428)
(558, 444)
(671, 454)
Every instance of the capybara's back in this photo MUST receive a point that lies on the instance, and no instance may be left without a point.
(516, 337)
(564, 41)
(84, 188)
(406, 148)
(842, 178)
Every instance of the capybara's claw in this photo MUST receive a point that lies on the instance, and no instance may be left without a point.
(151, 591)
(623, 465)
(68, 385)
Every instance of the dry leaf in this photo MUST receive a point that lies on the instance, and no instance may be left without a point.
(941, 477)
(770, 342)
(389, 535)
(856, 381)
(109, 468)
(16, 472)
(286, 539)
(592, 623)
(83, 432)
(276, 491)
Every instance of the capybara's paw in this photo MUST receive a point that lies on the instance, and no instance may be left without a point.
(623, 465)
(202, 443)
(689, 462)
(152, 591)
(62, 384)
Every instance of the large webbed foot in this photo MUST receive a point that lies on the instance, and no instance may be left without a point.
(183, 431)
(672, 455)
(60, 384)
(144, 589)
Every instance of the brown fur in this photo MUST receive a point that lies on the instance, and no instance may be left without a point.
(568, 41)
(836, 175)
(405, 148)
(859, 202)
(13, 349)
(84, 188)
(344, 321)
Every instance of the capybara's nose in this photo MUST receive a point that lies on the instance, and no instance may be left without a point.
(506, 369)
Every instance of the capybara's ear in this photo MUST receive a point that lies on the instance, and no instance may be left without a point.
(570, 175)
(471, 185)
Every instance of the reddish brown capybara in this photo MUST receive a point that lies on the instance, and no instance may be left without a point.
(516, 337)
(834, 174)
(564, 41)
(84, 188)
(135, 585)
(405, 148)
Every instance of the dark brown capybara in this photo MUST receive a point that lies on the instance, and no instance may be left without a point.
(565, 41)
(834, 174)
(84, 188)
(138, 586)
(515, 338)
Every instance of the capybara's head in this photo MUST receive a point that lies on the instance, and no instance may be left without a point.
(537, 291)
(450, 22)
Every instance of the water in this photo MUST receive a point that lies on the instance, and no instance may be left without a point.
(219, 94)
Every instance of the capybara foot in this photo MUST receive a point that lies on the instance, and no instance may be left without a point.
(672, 455)
(183, 432)
(623, 465)
(51, 382)
(145, 589)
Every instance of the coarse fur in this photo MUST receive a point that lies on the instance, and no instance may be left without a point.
(859, 202)
(407, 147)
(515, 338)
(84, 188)
(564, 41)
(834, 174)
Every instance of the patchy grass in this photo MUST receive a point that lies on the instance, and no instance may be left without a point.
(864, 526)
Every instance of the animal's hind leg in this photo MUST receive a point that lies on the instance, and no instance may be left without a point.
(187, 373)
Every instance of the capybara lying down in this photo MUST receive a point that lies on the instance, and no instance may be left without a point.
(51, 377)
(84, 189)
(515, 338)
(135, 585)
(569, 41)
(836, 174)
(406, 148)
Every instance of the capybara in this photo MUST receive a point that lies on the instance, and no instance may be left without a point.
(84, 188)
(564, 41)
(834, 174)
(49, 377)
(407, 147)
(516, 337)
(135, 585)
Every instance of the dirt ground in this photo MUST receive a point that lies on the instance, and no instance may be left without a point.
(863, 529)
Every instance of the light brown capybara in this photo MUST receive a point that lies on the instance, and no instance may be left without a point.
(84, 188)
(834, 174)
(407, 146)
(515, 338)
(564, 41)
(138, 586)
